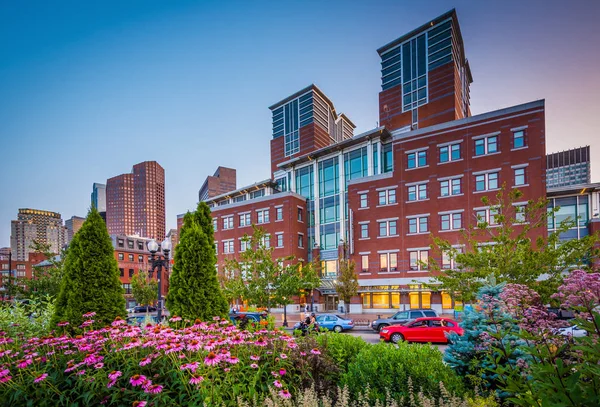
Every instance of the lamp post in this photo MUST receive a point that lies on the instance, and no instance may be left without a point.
(285, 322)
(157, 262)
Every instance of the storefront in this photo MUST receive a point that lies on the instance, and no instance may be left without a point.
(394, 297)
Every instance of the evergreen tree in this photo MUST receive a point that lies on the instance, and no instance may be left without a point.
(194, 290)
(90, 280)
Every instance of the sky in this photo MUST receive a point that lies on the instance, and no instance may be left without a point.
(88, 89)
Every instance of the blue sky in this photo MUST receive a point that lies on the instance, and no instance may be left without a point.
(90, 88)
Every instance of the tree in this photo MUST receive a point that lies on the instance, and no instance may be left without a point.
(91, 277)
(144, 289)
(46, 279)
(265, 281)
(194, 290)
(347, 282)
(507, 252)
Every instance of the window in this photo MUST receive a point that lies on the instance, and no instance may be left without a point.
(280, 240)
(121, 272)
(121, 256)
(228, 222)
(519, 139)
(449, 261)
(263, 216)
(140, 246)
(130, 273)
(450, 152)
(215, 225)
(244, 244)
(228, 246)
(520, 216)
(120, 243)
(363, 201)
(140, 258)
(300, 241)
(127, 288)
(419, 224)
(130, 257)
(364, 261)
(387, 197)
(279, 213)
(257, 194)
(364, 231)
(486, 145)
(417, 192)
(417, 159)
(286, 122)
(486, 182)
(300, 215)
(216, 247)
(388, 262)
(414, 73)
(419, 260)
(240, 198)
(245, 219)
(266, 241)
(387, 158)
(451, 221)
(387, 228)
(487, 216)
(130, 244)
(519, 176)
(450, 187)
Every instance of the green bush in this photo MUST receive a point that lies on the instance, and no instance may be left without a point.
(343, 349)
(386, 368)
(28, 320)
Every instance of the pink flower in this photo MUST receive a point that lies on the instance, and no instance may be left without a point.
(23, 363)
(195, 379)
(282, 372)
(284, 394)
(211, 359)
(5, 379)
(153, 389)
(40, 378)
(216, 318)
(253, 357)
(139, 403)
(226, 369)
(89, 315)
(254, 366)
(63, 323)
(175, 319)
(233, 360)
(81, 372)
(145, 361)
(277, 384)
(302, 353)
(118, 322)
(283, 356)
(87, 323)
(99, 365)
(315, 351)
(137, 380)
(4, 372)
(114, 375)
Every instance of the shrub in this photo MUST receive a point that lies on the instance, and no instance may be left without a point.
(27, 320)
(343, 349)
(386, 368)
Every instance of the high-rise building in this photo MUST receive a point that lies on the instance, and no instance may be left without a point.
(135, 202)
(99, 197)
(44, 227)
(223, 180)
(73, 225)
(570, 167)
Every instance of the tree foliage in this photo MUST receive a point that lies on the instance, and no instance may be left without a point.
(91, 277)
(262, 280)
(516, 249)
(347, 282)
(194, 290)
(46, 279)
(144, 289)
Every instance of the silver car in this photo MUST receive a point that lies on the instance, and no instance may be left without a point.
(402, 317)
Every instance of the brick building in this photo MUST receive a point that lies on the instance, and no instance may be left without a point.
(135, 202)
(42, 226)
(383, 194)
(12, 269)
(222, 181)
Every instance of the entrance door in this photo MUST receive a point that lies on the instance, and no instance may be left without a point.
(331, 302)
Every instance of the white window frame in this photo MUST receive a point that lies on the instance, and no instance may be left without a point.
(388, 223)
(417, 219)
(418, 267)
(388, 256)
(279, 237)
(416, 158)
(301, 240)
(228, 246)
(364, 227)
(245, 219)
(486, 144)
(228, 222)
(490, 215)
(364, 258)
(278, 211)
(451, 220)
(450, 181)
(363, 201)
(486, 180)
(244, 244)
(262, 216)
(417, 188)
(449, 146)
(389, 197)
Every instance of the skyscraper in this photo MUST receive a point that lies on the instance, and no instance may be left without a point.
(44, 227)
(99, 196)
(73, 225)
(135, 202)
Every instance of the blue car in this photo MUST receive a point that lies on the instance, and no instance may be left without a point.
(334, 323)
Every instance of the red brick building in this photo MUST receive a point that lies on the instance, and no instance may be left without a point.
(12, 269)
(135, 202)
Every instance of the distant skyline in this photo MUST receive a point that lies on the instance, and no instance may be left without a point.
(90, 89)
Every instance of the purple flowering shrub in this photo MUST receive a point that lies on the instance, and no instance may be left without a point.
(212, 363)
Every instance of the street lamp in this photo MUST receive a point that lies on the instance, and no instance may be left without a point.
(157, 262)
(285, 322)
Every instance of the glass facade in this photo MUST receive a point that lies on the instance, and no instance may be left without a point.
(574, 209)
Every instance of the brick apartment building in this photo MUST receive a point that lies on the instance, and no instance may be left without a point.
(12, 269)
(385, 193)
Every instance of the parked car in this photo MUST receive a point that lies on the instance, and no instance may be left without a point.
(242, 318)
(421, 330)
(402, 317)
(140, 320)
(144, 308)
(334, 323)
(573, 331)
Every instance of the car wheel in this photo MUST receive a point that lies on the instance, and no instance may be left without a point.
(395, 338)
(337, 329)
(381, 326)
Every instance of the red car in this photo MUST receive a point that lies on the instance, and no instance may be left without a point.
(421, 330)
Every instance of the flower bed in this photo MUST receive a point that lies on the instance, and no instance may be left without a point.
(210, 363)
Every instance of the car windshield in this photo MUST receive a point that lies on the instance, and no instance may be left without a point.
(401, 315)
(429, 313)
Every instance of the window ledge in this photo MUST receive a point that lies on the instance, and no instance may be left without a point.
(417, 271)
(451, 161)
(383, 206)
(263, 223)
(362, 209)
(416, 168)
(384, 237)
(449, 196)
(486, 155)
(450, 230)
(364, 238)
(276, 220)
(389, 272)
(520, 148)
(418, 200)
(519, 186)
(486, 191)
(418, 233)
(365, 273)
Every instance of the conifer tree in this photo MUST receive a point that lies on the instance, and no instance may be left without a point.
(90, 280)
(194, 290)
